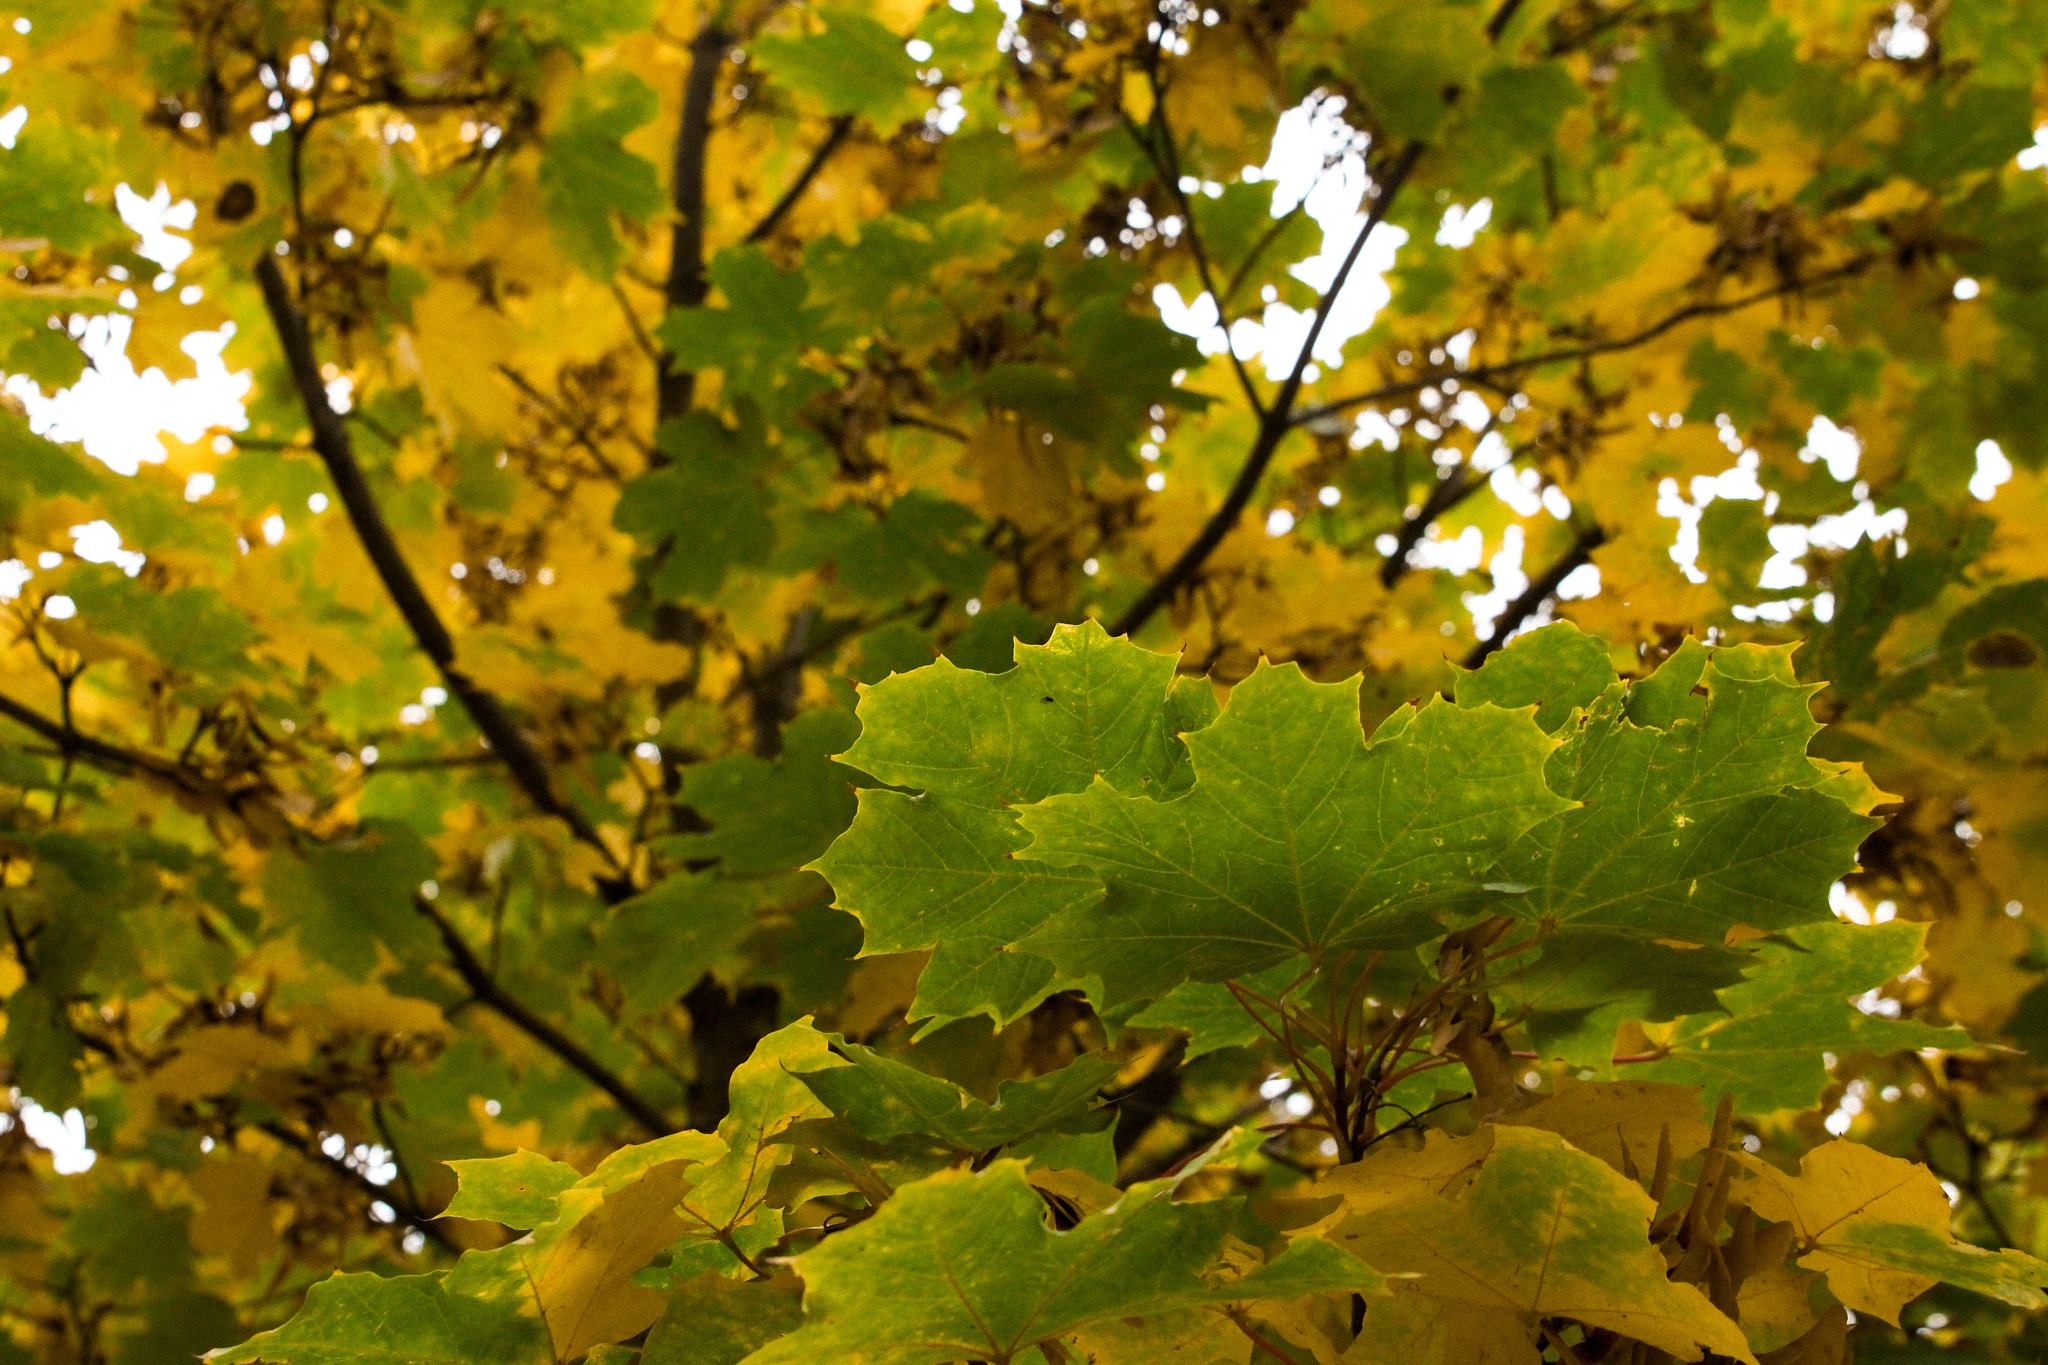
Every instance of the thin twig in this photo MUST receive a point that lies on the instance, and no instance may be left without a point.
(407, 1211)
(761, 231)
(331, 441)
(1482, 373)
(486, 989)
(1456, 486)
(1164, 154)
(577, 428)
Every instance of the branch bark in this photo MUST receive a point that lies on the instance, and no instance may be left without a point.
(761, 231)
(401, 1203)
(486, 989)
(331, 442)
(1457, 485)
(687, 284)
(1274, 426)
(119, 762)
(1538, 592)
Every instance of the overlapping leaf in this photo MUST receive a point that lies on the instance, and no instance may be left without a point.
(939, 869)
(885, 1099)
(1543, 1230)
(1878, 1228)
(1795, 1005)
(1297, 836)
(1697, 810)
(963, 1266)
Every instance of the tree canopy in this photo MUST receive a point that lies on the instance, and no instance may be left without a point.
(1026, 681)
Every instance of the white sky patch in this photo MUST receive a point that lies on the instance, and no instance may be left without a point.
(1993, 471)
(1374, 426)
(1522, 490)
(151, 220)
(1491, 453)
(1580, 584)
(2035, 157)
(116, 413)
(1316, 161)
(1471, 410)
(119, 414)
(62, 1136)
(97, 542)
(1509, 582)
(1790, 542)
(1836, 446)
(1461, 226)
(1457, 556)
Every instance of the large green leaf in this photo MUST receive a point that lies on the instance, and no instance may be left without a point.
(1297, 836)
(518, 1190)
(962, 1266)
(1697, 808)
(586, 175)
(856, 66)
(938, 870)
(393, 1320)
(885, 1099)
(1795, 1005)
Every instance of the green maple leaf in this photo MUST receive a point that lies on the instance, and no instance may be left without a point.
(1697, 807)
(703, 510)
(1794, 1005)
(393, 1320)
(768, 815)
(518, 1190)
(1297, 836)
(586, 175)
(939, 870)
(962, 1266)
(857, 65)
(885, 1099)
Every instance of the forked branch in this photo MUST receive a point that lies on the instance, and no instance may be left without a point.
(1275, 424)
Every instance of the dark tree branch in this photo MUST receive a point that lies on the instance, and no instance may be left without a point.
(331, 442)
(1454, 487)
(725, 1027)
(777, 683)
(1273, 428)
(407, 1209)
(119, 762)
(761, 231)
(1510, 368)
(1458, 485)
(106, 757)
(1538, 592)
(487, 990)
(687, 285)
